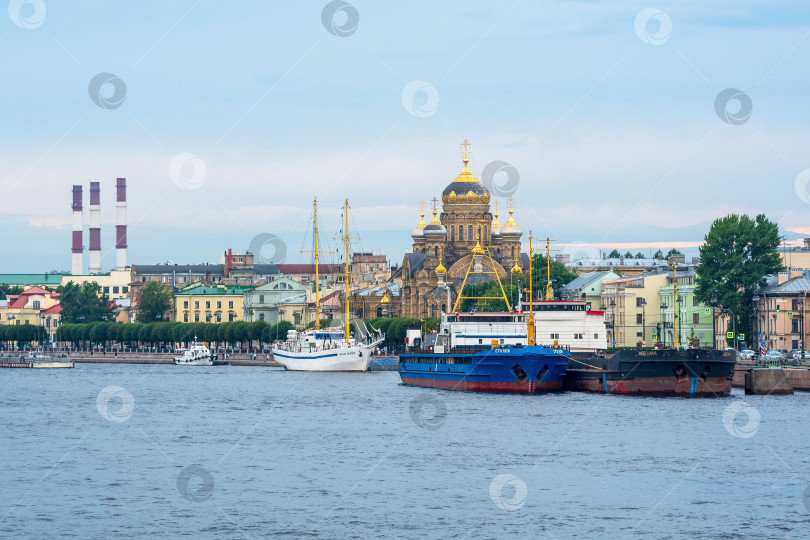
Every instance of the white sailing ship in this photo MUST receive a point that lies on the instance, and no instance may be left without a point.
(329, 349)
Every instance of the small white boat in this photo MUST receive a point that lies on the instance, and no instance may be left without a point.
(325, 350)
(197, 354)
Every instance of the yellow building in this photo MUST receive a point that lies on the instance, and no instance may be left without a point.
(212, 303)
(35, 305)
(115, 284)
(300, 310)
(633, 308)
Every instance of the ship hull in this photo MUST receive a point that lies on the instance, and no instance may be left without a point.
(516, 370)
(665, 373)
(345, 359)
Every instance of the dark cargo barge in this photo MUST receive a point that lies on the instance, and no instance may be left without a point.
(664, 373)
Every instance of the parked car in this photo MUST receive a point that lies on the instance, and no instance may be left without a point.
(773, 357)
(747, 354)
(795, 354)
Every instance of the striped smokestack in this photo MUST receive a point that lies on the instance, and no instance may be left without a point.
(121, 224)
(78, 224)
(94, 258)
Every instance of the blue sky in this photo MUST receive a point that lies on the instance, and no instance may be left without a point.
(613, 132)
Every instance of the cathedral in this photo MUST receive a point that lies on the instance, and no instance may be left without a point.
(443, 249)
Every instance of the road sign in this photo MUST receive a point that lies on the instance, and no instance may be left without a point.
(643, 343)
(761, 336)
(730, 335)
(614, 342)
(655, 337)
(789, 314)
(740, 337)
(708, 311)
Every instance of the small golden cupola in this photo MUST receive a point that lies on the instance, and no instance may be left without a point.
(465, 188)
(419, 230)
(435, 229)
(496, 225)
(511, 228)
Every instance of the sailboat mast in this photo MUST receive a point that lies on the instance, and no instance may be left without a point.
(346, 276)
(317, 275)
(675, 304)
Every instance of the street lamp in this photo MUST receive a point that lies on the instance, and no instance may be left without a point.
(613, 321)
(643, 322)
(663, 336)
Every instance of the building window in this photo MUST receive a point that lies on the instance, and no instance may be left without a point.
(555, 336)
(485, 231)
(452, 233)
(461, 233)
(639, 318)
(261, 299)
(436, 251)
(261, 316)
(379, 312)
(207, 317)
(124, 290)
(185, 304)
(297, 317)
(479, 234)
(638, 302)
(695, 318)
(469, 233)
(230, 304)
(208, 304)
(115, 290)
(36, 304)
(219, 304)
(231, 317)
(694, 301)
(185, 316)
(795, 324)
(596, 336)
(196, 304)
(106, 290)
(196, 317)
(219, 317)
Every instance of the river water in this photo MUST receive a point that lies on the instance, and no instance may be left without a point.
(104, 451)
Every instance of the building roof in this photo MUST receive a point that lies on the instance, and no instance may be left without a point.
(31, 279)
(310, 268)
(415, 263)
(379, 290)
(799, 284)
(213, 290)
(616, 262)
(586, 280)
(205, 268)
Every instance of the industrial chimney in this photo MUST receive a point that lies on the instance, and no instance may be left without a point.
(78, 224)
(94, 258)
(121, 224)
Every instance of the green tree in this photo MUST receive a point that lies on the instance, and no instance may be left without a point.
(6, 289)
(658, 255)
(628, 255)
(560, 276)
(154, 301)
(675, 252)
(737, 255)
(639, 255)
(84, 303)
(614, 254)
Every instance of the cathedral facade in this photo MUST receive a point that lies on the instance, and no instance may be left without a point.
(443, 249)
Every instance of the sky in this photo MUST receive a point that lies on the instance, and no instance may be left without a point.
(611, 123)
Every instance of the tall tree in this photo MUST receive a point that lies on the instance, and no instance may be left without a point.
(153, 302)
(658, 255)
(84, 303)
(639, 255)
(5, 290)
(628, 255)
(614, 254)
(674, 252)
(739, 252)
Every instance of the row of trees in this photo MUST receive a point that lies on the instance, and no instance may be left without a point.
(153, 334)
(22, 333)
(615, 254)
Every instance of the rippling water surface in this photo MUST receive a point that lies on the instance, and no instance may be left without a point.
(125, 450)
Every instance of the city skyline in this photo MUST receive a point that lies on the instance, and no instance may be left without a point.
(227, 123)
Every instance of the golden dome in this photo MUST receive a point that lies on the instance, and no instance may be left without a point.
(516, 269)
(511, 228)
(496, 225)
(418, 231)
(478, 250)
(465, 188)
(385, 300)
(441, 269)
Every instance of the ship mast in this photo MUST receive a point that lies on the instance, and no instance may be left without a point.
(317, 275)
(675, 304)
(530, 318)
(346, 275)
(549, 288)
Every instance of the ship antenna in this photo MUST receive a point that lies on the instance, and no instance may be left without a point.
(317, 274)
